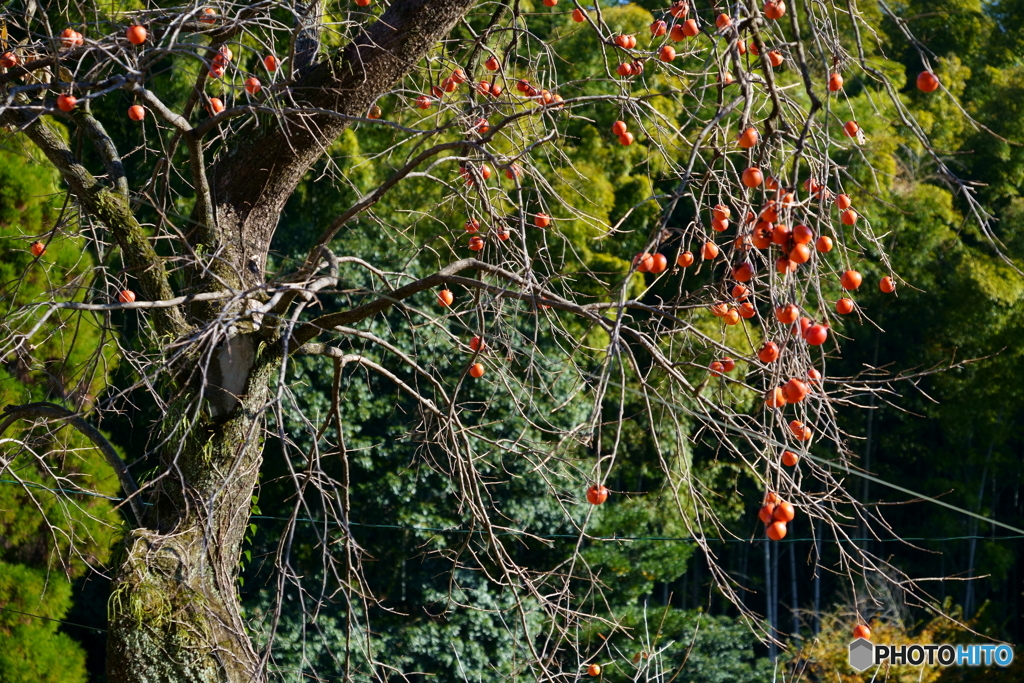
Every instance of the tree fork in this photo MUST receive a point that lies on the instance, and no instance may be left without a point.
(252, 181)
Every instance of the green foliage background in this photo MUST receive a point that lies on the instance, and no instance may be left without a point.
(952, 435)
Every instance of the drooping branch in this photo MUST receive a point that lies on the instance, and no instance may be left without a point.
(343, 358)
(52, 411)
(113, 210)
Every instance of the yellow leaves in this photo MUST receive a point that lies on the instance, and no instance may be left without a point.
(827, 657)
(995, 279)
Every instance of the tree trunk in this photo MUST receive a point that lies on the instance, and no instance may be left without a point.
(174, 609)
(254, 179)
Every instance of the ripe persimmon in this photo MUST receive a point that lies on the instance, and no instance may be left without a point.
(800, 254)
(679, 9)
(787, 314)
(861, 631)
(777, 531)
(823, 244)
(850, 280)
(784, 512)
(136, 112)
(850, 129)
(594, 670)
(66, 102)
(9, 60)
(253, 85)
(716, 368)
(658, 264)
(765, 513)
(721, 212)
(844, 306)
(775, 58)
(137, 34)
(619, 128)
(476, 370)
(743, 272)
(794, 390)
(492, 63)
(685, 259)
(835, 82)
(659, 28)
(476, 343)
(270, 63)
(789, 458)
(626, 139)
(723, 21)
(445, 297)
(802, 234)
(542, 220)
(667, 53)
(887, 285)
(37, 249)
(476, 243)
(775, 398)
(597, 495)
(780, 235)
(709, 251)
(215, 107)
(643, 262)
(578, 15)
(729, 364)
(927, 81)
(126, 296)
(747, 310)
(816, 335)
(774, 9)
(752, 177)
(762, 235)
(690, 28)
(748, 138)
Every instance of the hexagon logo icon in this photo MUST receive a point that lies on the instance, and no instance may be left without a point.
(862, 654)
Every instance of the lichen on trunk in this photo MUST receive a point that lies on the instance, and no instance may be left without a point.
(174, 610)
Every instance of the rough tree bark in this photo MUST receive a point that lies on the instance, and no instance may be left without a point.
(174, 607)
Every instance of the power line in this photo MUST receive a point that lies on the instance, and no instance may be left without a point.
(456, 530)
(59, 621)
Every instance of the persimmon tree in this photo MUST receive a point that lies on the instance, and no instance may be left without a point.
(709, 298)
